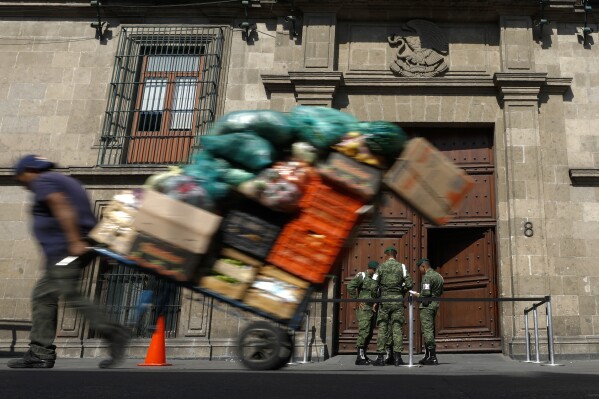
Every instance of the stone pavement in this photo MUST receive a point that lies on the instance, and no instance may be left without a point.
(450, 364)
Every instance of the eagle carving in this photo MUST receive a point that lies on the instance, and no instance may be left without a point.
(421, 49)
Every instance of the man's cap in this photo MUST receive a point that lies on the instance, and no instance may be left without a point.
(32, 162)
(391, 249)
(373, 264)
(421, 261)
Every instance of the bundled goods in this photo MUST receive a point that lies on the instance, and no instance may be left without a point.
(115, 229)
(276, 292)
(231, 274)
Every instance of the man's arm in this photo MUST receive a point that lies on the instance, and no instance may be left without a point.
(353, 286)
(67, 217)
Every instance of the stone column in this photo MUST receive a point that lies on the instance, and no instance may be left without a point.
(523, 269)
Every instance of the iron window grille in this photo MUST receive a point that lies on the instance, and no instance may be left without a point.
(136, 299)
(163, 94)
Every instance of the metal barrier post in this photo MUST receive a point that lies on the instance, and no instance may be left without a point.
(411, 333)
(550, 336)
(306, 338)
(535, 318)
(526, 336)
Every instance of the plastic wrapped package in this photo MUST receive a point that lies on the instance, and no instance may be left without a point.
(354, 145)
(185, 188)
(304, 152)
(272, 191)
(155, 181)
(272, 125)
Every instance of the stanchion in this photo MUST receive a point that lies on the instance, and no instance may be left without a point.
(411, 333)
(306, 339)
(535, 319)
(526, 336)
(292, 361)
(550, 336)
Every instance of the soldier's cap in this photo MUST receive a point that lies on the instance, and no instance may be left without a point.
(391, 249)
(373, 264)
(423, 260)
(32, 162)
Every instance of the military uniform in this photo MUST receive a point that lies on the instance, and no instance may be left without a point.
(432, 287)
(362, 286)
(393, 281)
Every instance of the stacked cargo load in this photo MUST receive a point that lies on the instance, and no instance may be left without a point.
(270, 201)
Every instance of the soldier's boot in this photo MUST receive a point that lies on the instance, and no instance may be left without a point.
(432, 359)
(389, 356)
(380, 360)
(426, 356)
(398, 360)
(361, 359)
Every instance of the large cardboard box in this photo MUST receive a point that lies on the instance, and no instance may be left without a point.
(276, 292)
(428, 181)
(164, 258)
(176, 222)
(115, 229)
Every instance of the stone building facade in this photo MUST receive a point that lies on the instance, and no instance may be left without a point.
(520, 69)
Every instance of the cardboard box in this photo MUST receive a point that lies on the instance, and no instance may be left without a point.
(230, 290)
(245, 273)
(428, 181)
(164, 258)
(176, 222)
(276, 292)
(356, 177)
(115, 229)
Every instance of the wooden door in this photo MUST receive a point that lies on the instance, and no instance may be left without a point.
(464, 250)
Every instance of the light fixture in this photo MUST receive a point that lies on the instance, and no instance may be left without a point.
(99, 25)
(542, 21)
(246, 25)
(292, 19)
(586, 30)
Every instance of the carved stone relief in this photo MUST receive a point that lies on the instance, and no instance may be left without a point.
(421, 49)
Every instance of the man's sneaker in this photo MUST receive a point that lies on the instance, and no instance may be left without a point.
(30, 361)
(118, 343)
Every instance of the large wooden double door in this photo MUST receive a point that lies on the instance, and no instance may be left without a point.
(463, 250)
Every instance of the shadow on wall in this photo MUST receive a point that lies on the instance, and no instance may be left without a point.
(15, 327)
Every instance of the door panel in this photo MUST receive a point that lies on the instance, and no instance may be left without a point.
(466, 259)
(464, 250)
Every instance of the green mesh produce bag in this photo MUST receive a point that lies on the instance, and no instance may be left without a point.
(383, 138)
(274, 126)
(320, 126)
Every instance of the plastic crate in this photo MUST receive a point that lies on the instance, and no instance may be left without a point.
(249, 233)
(320, 192)
(306, 251)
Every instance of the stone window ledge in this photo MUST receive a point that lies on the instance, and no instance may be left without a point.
(585, 177)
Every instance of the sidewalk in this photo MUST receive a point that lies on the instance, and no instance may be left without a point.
(450, 364)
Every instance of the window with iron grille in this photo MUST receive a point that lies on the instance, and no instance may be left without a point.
(163, 94)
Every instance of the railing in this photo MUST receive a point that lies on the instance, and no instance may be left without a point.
(538, 301)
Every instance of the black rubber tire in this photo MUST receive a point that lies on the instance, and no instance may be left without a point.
(263, 346)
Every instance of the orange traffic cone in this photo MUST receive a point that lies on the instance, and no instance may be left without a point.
(156, 355)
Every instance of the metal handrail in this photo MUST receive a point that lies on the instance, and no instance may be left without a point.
(539, 301)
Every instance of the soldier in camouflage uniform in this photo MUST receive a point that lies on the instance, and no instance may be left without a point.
(393, 281)
(364, 287)
(432, 287)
